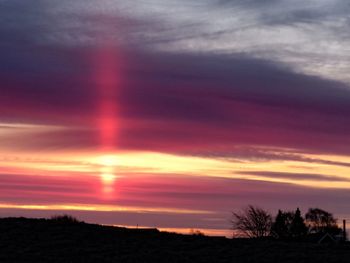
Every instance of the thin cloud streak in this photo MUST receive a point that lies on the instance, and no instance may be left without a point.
(298, 176)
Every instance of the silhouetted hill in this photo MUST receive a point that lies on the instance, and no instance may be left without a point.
(42, 240)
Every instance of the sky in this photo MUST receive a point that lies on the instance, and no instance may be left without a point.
(172, 114)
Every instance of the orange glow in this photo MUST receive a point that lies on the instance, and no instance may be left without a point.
(186, 230)
(129, 163)
(117, 181)
(101, 208)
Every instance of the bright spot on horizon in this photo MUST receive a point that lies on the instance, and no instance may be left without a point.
(108, 160)
(107, 174)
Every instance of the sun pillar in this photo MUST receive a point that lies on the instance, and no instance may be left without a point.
(108, 80)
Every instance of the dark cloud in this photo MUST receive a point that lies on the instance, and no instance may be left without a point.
(221, 100)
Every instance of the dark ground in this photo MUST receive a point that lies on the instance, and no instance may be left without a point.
(41, 240)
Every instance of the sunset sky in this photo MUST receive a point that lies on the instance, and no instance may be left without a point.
(172, 114)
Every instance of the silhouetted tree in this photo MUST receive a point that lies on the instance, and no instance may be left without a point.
(320, 221)
(252, 222)
(195, 232)
(65, 219)
(298, 227)
(281, 227)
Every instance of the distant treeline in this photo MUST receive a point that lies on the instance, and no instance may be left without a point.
(256, 222)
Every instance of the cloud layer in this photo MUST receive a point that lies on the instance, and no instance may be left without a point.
(261, 86)
(223, 101)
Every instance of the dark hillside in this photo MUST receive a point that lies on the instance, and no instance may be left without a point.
(42, 240)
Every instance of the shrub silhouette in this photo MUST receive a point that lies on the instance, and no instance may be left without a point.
(65, 219)
(195, 232)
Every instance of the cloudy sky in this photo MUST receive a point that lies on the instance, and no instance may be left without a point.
(172, 114)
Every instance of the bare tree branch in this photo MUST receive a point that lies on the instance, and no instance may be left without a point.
(253, 222)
